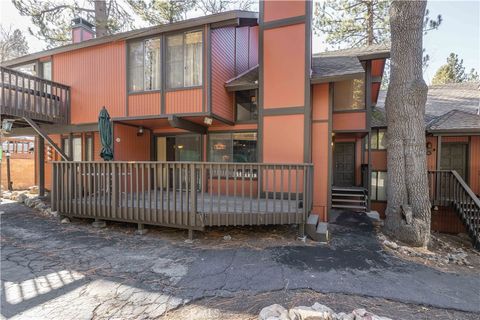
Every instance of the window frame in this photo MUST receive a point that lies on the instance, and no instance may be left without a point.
(375, 190)
(165, 62)
(231, 133)
(235, 106)
(65, 142)
(161, 61)
(92, 148)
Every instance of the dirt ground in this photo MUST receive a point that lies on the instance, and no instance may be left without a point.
(248, 307)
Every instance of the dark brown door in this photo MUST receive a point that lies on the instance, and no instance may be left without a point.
(344, 164)
(454, 157)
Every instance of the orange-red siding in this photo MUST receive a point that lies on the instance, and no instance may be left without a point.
(96, 76)
(275, 10)
(128, 146)
(349, 121)
(474, 167)
(284, 66)
(144, 104)
(183, 101)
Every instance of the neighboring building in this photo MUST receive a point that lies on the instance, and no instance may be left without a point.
(21, 151)
(270, 133)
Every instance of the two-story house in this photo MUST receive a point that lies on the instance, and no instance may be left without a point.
(226, 119)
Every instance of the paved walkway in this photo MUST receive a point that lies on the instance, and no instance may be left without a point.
(59, 271)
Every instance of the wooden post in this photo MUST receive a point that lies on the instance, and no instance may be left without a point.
(9, 180)
(41, 166)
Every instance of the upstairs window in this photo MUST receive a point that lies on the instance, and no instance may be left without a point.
(378, 139)
(246, 105)
(46, 70)
(349, 95)
(184, 60)
(144, 65)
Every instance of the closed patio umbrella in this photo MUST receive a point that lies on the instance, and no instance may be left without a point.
(106, 134)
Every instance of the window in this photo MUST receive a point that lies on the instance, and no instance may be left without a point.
(233, 147)
(77, 148)
(246, 105)
(379, 186)
(46, 70)
(144, 65)
(30, 68)
(184, 60)
(349, 95)
(378, 139)
(89, 148)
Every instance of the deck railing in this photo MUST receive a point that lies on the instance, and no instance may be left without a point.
(447, 188)
(24, 95)
(184, 194)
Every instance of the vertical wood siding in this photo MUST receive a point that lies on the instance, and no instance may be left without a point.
(474, 167)
(223, 69)
(144, 104)
(241, 49)
(96, 76)
(253, 47)
(130, 147)
(432, 158)
(183, 101)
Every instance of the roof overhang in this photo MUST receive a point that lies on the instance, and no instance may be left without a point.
(334, 77)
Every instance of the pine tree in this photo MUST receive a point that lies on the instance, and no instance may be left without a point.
(53, 18)
(453, 72)
(161, 11)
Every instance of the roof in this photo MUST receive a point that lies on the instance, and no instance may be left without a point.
(326, 66)
(235, 16)
(455, 121)
(449, 107)
(374, 51)
(245, 81)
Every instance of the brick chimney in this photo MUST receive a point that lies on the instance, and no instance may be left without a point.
(82, 30)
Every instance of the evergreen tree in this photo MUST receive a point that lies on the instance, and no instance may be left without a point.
(161, 11)
(53, 17)
(216, 6)
(453, 72)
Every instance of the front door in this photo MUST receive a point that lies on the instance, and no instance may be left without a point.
(454, 157)
(344, 164)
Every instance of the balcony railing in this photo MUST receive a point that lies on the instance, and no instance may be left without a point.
(188, 195)
(448, 189)
(23, 95)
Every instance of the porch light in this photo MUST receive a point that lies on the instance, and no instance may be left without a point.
(208, 121)
(140, 131)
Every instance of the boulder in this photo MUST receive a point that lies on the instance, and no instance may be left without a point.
(390, 244)
(33, 190)
(345, 316)
(274, 312)
(65, 220)
(21, 198)
(362, 314)
(308, 313)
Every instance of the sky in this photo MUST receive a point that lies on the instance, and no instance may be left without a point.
(459, 32)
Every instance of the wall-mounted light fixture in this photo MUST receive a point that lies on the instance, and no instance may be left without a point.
(140, 131)
(208, 121)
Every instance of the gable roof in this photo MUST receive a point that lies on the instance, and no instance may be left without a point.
(449, 107)
(335, 68)
(234, 16)
(245, 81)
(374, 51)
(455, 121)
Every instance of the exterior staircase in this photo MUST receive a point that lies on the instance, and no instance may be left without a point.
(350, 198)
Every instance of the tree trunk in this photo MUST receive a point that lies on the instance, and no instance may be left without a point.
(101, 19)
(408, 213)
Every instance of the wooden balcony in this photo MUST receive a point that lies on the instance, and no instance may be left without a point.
(34, 98)
(188, 195)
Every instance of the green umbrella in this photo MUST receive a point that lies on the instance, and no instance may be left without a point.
(106, 135)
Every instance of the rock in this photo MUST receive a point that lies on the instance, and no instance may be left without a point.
(33, 190)
(308, 313)
(54, 214)
(345, 316)
(322, 308)
(47, 211)
(40, 206)
(362, 314)
(21, 198)
(65, 220)
(275, 311)
(227, 237)
(390, 244)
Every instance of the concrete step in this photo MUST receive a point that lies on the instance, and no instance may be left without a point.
(316, 230)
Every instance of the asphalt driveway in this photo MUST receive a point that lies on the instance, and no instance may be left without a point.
(59, 271)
